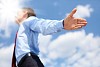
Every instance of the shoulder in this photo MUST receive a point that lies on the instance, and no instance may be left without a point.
(30, 19)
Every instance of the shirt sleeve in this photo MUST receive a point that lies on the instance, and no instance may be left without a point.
(45, 26)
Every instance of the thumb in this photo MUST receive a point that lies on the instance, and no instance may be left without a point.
(73, 12)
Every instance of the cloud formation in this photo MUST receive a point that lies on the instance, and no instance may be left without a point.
(6, 56)
(83, 11)
(73, 49)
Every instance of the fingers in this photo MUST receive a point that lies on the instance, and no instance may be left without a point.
(81, 24)
(81, 19)
(73, 12)
(76, 27)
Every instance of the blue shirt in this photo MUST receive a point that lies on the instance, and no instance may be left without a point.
(27, 37)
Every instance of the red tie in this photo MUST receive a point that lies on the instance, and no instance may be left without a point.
(14, 58)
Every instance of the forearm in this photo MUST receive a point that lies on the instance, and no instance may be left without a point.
(52, 27)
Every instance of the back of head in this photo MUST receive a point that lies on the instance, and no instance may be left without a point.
(30, 11)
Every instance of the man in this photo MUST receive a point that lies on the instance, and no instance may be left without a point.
(27, 50)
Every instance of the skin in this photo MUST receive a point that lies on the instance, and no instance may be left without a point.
(70, 22)
(21, 16)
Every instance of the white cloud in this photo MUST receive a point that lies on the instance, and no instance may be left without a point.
(4, 27)
(73, 49)
(83, 11)
(44, 42)
(6, 56)
(47, 40)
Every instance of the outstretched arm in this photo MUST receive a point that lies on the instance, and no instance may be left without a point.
(52, 26)
(72, 23)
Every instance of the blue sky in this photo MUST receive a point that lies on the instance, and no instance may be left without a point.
(78, 48)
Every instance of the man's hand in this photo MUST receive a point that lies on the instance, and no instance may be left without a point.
(72, 23)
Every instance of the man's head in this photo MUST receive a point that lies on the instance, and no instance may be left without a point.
(23, 14)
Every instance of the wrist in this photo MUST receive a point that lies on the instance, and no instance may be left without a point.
(63, 23)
